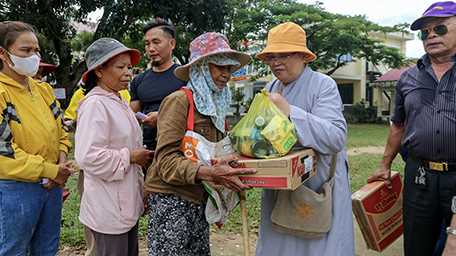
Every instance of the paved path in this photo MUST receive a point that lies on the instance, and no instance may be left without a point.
(363, 150)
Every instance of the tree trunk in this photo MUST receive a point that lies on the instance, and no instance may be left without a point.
(67, 81)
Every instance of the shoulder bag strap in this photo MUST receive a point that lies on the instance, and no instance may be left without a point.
(332, 168)
(191, 111)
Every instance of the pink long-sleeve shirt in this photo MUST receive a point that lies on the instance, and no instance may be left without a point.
(107, 131)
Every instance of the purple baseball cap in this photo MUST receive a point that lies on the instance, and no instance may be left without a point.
(439, 9)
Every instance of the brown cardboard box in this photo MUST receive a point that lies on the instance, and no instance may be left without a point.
(378, 211)
(286, 172)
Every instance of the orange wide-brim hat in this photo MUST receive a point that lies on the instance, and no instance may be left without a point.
(287, 37)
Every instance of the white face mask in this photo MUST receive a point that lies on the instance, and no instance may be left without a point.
(24, 66)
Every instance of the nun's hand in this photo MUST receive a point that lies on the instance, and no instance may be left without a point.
(280, 102)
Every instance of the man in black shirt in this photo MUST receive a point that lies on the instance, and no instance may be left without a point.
(424, 121)
(149, 88)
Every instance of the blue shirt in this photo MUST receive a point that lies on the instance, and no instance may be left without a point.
(428, 108)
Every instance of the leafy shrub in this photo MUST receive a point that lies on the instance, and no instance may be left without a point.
(365, 114)
(238, 98)
(247, 104)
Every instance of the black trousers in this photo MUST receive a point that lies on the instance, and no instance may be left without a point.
(425, 206)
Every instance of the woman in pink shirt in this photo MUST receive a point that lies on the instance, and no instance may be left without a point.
(109, 149)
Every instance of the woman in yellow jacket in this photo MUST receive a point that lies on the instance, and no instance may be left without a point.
(33, 149)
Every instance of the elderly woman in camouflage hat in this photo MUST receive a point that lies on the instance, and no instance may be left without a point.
(176, 200)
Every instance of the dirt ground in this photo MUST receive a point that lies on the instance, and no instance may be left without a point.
(222, 243)
(365, 150)
(231, 244)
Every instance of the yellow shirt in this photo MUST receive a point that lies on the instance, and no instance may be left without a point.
(71, 111)
(33, 131)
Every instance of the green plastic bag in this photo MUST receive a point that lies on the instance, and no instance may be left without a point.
(264, 132)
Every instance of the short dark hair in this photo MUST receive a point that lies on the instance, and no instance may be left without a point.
(166, 26)
(10, 31)
(91, 80)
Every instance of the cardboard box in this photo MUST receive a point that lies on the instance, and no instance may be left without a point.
(286, 172)
(378, 211)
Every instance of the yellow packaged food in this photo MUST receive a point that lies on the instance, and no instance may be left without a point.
(279, 132)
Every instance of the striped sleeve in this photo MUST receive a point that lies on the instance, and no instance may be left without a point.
(16, 163)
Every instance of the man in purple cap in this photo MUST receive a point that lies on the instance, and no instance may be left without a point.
(424, 121)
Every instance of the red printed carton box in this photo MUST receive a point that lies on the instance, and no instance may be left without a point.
(378, 211)
(286, 172)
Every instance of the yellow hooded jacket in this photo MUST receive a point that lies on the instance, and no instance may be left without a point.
(32, 131)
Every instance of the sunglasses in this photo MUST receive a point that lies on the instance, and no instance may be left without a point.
(440, 30)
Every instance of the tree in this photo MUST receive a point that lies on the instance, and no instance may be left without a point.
(238, 98)
(121, 19)
(248, 103)
(330, 36)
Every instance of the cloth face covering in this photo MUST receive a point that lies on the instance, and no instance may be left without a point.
(208, 98)
(25, 66)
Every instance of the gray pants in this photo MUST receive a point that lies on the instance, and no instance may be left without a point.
(125, 244)
(90, 244)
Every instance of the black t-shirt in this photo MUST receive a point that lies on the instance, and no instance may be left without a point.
(150, 88)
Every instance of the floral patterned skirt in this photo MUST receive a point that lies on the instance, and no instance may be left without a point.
(176, 226)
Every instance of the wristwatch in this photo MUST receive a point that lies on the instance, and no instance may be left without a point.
(453, 205)
(449, 230)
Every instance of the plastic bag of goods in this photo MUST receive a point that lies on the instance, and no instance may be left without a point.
(264, 132)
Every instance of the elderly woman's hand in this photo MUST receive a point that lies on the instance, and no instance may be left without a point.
(280, 102)
(224, 174)
(141, 156)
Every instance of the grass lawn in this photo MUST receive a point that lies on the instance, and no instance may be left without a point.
(361, 167)
(71, 232)
(363, 135)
